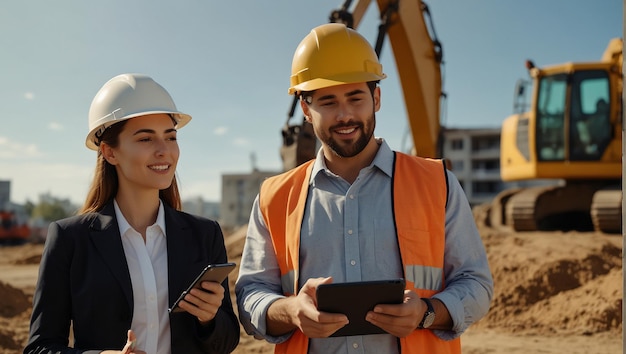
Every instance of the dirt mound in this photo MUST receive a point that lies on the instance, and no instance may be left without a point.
(14, 315)
(34, 259)
(8, 343)
(14, 301)
(28, 253)
(555, 282)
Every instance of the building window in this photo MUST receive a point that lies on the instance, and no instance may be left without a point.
(457, 144)
(486, 165)
(485, 143)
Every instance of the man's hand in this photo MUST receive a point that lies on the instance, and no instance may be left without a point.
(301, 311)
(204, 303)
(312, 322)
(401, 319)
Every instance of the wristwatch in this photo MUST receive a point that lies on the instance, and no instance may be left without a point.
(429, 315)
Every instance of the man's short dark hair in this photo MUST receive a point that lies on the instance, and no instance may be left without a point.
(307, 96)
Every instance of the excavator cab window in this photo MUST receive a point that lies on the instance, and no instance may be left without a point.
(551, 118)
(590, 126)
(573, 120)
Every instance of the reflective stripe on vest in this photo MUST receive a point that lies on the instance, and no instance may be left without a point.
(419, 195)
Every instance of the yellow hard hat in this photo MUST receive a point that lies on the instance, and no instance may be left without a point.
(126, 96)
(333, 54)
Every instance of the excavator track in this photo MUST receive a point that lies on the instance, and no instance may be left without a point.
(547, 208)
(606, 210)
(520, 209)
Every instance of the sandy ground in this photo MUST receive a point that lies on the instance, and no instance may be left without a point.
(554, 293)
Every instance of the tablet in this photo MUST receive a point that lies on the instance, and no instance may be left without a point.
(356, 299)
(212, 272)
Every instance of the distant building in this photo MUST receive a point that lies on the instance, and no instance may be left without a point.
(5, 193)
(6, 204)
(474, 157)
(198, 206)
(238, 193)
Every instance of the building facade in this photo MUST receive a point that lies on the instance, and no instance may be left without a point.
(474, 158)
(238, 193)
(5, 193)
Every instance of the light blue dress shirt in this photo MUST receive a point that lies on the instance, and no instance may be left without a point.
(348, 233)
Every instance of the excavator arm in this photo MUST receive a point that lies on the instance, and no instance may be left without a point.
(418, 57)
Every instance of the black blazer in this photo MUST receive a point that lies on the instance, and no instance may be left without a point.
(84, 282)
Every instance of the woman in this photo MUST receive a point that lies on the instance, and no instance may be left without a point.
(111, 272)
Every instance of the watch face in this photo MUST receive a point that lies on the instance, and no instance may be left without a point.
(428, 321)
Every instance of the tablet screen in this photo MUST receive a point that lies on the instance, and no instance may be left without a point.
(356, 299)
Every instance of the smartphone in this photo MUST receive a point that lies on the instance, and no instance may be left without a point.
(212, 272)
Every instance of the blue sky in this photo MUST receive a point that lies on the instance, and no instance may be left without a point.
(227, 63)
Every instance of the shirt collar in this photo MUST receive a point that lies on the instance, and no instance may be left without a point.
(125, 226)
(383, 160)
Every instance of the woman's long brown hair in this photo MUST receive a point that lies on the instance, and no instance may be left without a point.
(105, 184)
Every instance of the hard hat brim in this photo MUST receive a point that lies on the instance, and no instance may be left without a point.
(316, 84)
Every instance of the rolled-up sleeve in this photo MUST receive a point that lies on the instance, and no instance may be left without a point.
(468, 280)
(258, 284)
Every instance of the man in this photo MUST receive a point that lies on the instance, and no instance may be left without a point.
(358, 212)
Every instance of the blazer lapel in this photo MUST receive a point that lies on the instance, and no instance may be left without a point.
(105, 235)
(181, 253)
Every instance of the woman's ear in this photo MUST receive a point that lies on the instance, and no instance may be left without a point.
(108, 154)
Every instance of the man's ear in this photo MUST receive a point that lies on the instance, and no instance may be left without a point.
(376, 98)
(108, 154)
(305, 109)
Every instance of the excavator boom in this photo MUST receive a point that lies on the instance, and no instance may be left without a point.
(418, 59)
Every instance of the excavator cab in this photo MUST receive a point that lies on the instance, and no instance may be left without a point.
(575, 118)
(571, 133)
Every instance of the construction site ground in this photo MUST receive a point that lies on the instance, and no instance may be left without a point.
(555, 292)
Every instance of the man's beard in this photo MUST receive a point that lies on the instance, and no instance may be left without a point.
(355, 148)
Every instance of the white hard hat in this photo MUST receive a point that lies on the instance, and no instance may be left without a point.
(126, 96)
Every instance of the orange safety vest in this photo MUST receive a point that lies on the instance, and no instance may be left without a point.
(419, 202)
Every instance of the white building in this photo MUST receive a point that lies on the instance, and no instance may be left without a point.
(474, 157)
(238, 193)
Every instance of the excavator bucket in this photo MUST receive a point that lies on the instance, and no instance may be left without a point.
(299, 144)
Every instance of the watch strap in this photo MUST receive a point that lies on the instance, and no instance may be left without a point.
(430, 312)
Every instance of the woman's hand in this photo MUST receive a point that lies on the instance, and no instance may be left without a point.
(204, 303)
(129, 348)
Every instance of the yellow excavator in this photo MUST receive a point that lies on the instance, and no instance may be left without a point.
(572, 134)
(418, 56)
